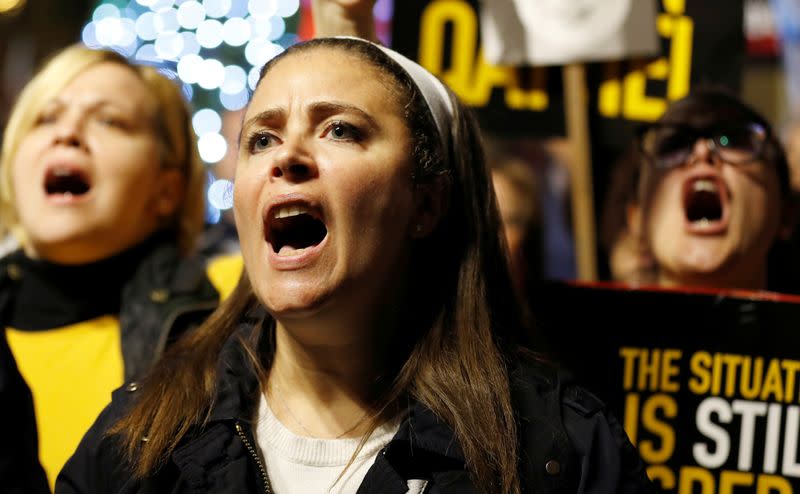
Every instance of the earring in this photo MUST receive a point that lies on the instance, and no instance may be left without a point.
(418, 229)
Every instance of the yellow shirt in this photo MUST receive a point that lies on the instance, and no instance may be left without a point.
(72, 370)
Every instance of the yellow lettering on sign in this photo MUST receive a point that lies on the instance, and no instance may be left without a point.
(628, 97)
(536, 98)
(680, 57)
(468, 74)
(728, 481)
(636, 105)
(432, 28)
(609, 93)
(667, 406)
(700, 364)
(692, 476)
(772, 484)
(675, 7)
(663, 475)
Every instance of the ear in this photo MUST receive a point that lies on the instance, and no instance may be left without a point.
(169, 193)
(788, 218)
(430, 205)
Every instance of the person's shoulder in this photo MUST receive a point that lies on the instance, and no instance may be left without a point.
(98, 464)
(569, 431)
(536, 377)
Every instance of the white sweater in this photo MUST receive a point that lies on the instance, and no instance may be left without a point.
(298, 464)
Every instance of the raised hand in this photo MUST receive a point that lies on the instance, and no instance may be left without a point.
(344, 18)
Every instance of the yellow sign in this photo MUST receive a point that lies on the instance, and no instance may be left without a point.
(623, 92)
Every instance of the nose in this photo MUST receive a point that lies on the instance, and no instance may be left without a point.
(294, 162)
(69, 131)
(703, 151)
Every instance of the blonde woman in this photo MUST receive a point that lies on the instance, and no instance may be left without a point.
(101, 185)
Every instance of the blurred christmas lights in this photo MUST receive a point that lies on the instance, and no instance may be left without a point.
(215, 47)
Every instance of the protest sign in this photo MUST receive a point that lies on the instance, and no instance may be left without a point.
(706, 384)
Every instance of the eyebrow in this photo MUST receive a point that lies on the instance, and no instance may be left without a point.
(134, 110)
(318, 111)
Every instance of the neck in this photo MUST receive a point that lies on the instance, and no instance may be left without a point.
(324, 381)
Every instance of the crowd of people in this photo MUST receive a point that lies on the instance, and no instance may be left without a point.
(373, 334)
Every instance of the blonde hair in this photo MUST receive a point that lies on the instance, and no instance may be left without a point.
(172, 125)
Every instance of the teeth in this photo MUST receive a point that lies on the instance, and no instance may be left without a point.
(703, 223)
(704, 185)
(287, 251)
(288, 211)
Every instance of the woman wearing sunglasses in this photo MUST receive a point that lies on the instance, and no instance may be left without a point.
(715, 193)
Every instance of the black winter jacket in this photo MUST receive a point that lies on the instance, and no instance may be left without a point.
(163, 295)
(568, 441)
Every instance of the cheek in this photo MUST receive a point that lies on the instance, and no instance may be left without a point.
(133, 163)
(379, 196)
(665, 205)
(760, 204)
(245, 204)
(22, 166)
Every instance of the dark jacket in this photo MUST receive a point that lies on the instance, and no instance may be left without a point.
(20, 472)
(161, 297)
(569, 444)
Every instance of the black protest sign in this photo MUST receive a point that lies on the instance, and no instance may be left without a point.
(700, 42)
(706, 384)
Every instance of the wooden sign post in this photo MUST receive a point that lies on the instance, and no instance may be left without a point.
(583, 222)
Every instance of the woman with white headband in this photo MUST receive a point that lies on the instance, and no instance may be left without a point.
(373, 344)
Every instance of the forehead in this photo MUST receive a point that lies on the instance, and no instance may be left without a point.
(326, 73)
(111, 83)
(702, 114)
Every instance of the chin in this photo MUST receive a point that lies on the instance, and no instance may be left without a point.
(293, 304)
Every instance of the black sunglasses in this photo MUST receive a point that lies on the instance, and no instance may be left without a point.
(669, 145)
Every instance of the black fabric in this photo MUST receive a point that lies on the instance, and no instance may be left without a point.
(157, 293)
(20, 472)
(48, 295)
(560, 425)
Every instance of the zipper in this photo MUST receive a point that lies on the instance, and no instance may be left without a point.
(254, 454)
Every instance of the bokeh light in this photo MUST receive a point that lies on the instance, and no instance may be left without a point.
(213, 48)
(220, 194)
(206, 121)
(191, 14)
(236, 31)
(217, 8)
(212, 147)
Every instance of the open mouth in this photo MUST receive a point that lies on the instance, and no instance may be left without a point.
(293, 228)
(66, 182)
(704, 203)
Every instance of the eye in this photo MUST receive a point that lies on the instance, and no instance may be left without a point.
(45, 118)
(112, 121)
(342, 131)
(260, 141)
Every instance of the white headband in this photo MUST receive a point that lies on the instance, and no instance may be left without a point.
(433, 91)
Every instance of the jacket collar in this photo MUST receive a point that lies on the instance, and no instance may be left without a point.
(238, 388)
(424, 447)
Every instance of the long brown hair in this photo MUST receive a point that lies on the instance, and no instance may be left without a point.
(461, 303)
